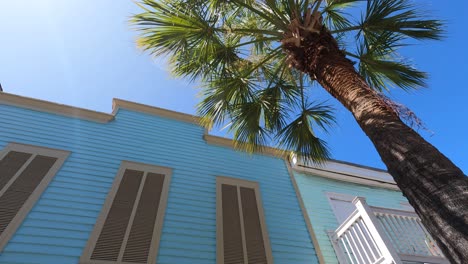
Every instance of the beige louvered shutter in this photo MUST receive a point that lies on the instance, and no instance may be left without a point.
(25, 171)
(112, 235)
(10, 165)
(241, 234)
(138, 245)
(253, 231)
(130, 223)
(233, 245)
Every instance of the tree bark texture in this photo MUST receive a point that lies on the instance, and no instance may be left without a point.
(434, 186)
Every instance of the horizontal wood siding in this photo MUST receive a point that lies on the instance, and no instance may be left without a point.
(313, 190)
(58, 227)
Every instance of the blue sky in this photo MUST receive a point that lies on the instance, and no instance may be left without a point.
(83, 53)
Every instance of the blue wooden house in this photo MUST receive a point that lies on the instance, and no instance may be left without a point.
(148, 185)
(359, 215)
(140, 185)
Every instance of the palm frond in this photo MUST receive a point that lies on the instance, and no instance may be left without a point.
(195, 40)
(278, 8)
(385, 74)
(205, 57)
(223, 93)
(277, 96)
(400, 17)
(246, 124)
(383, 69)
(335, 17)
(299, 135)
(264, 12)
(234, 49)
(166, 28)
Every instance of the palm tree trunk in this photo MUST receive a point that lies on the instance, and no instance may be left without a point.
(434, 186)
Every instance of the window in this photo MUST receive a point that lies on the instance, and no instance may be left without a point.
(129, 226)
(342, 205)
(241, 231)
(25, 172)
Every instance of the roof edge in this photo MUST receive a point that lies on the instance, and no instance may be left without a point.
(349, 172)
(92, 115)
(227, 142)
(359, 165)
(153, 110)
(54, 108)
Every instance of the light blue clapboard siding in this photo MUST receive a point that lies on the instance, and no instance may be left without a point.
(313, 190)
(58, 227)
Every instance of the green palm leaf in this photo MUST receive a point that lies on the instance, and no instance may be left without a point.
(399, 17)
(299, 135)
(234, 49)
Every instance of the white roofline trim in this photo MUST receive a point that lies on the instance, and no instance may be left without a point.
(342, 173)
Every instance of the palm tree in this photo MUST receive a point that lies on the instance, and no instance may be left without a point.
(256, 62)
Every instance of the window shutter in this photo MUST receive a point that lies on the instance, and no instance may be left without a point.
(141, 234)
(10, 165)
(19, 191)
(253, 230)
(25, 171)
(130, 223)
(112, 235)
(242, 236)
(233, 249)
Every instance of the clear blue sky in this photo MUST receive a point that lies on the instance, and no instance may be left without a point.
(82, 53)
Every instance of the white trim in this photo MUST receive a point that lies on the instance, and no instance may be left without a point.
(384, 244)
(350, 169)
(350, 173)
(384, 210)
(340, 196)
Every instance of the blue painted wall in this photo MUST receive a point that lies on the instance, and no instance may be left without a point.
(57, 228)
(313, 190)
